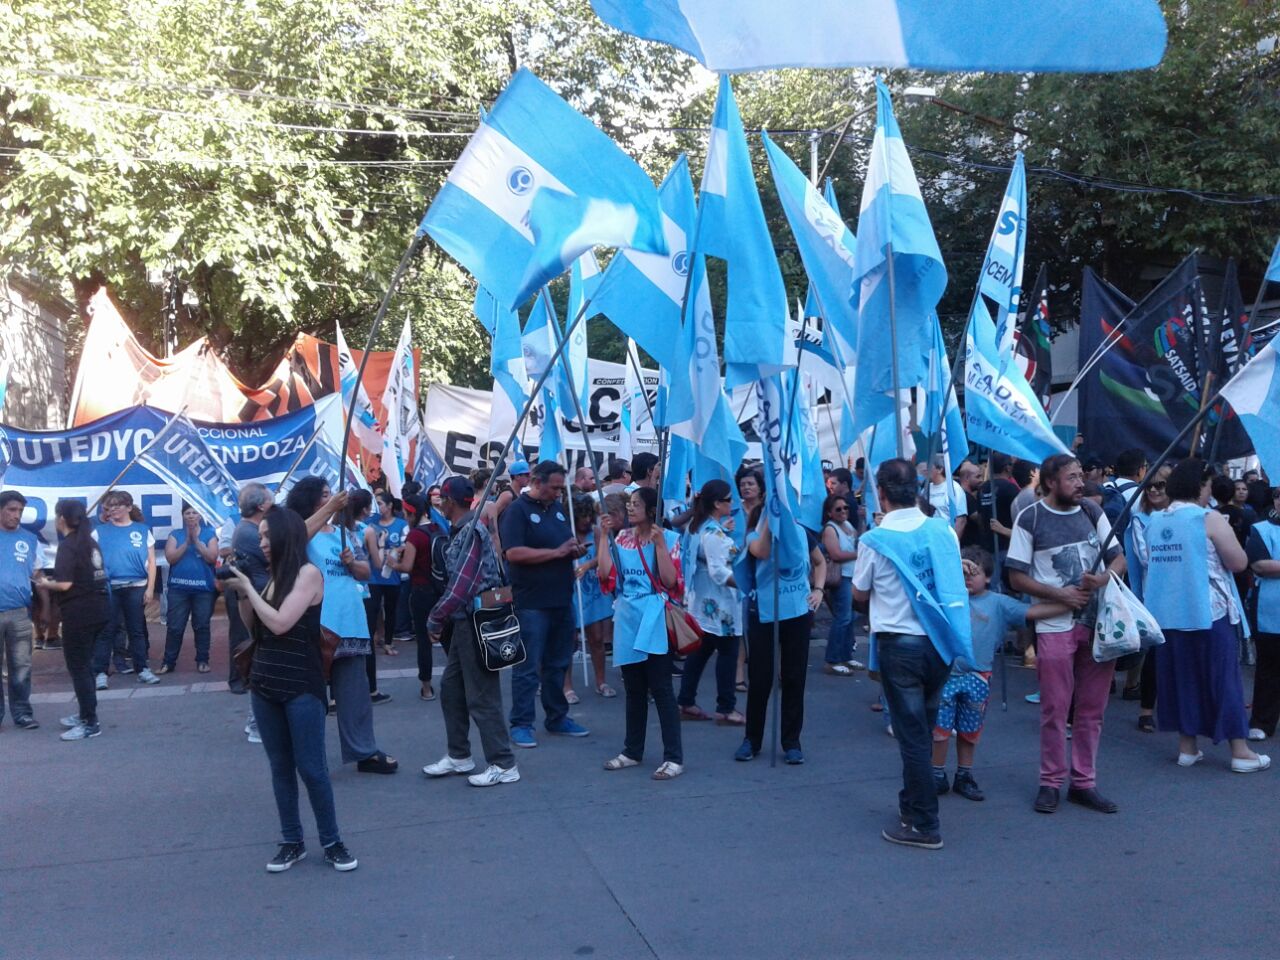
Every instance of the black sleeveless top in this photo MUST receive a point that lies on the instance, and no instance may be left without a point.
(288, 665)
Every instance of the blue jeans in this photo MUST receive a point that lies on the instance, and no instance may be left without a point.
(198, 607)
(548, 644)
(913, 675)
(725, 650)
(126, 610)
(293, 737)
(840, 636)
(15, 647)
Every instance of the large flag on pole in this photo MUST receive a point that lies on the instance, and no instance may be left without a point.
(635, 410)
(1254, 394)
(180, 457)
(506, 365)
(584, 280)
(893, 214)
(1001, 277)
(942, 414)
(537, 186)
(364, 424)
(400, 402)
(731, 226)
(1001, 411)
(735, 35)
(539, 342)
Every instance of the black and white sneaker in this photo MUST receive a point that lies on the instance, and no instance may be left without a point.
(339, 857)
(286, 857)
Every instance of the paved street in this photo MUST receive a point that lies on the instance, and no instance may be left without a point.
(150, 841)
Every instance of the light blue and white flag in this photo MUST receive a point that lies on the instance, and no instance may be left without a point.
(364, 424)
(506, 366)
(180, 457)
(1001, 277)
(537, 186)
(941, 411)
(1001, 410)
(400, 401)
(893, 215)
(826, 247)
(584, 280)
(539, 341)
(731, 226)
(790, 546)
(1254, 394)
(643, 293)
(736, 35)
(635, 409)
(1273, 268)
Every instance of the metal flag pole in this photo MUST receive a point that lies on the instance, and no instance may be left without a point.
(136, 457)
(418, 242)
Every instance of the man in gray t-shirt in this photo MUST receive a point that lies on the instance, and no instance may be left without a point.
(1052, 556)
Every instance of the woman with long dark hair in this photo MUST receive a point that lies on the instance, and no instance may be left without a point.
(713, 599)
(343, 613)
(1190, 553)
(648, 566)
(286, 679)
(79, 585)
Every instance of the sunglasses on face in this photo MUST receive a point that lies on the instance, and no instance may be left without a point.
(724, 500)
(844, 509)
(1158, 486)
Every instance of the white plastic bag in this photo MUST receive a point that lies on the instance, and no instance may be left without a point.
(1124, 625)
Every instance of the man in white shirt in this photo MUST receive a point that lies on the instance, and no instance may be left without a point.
(946, 496)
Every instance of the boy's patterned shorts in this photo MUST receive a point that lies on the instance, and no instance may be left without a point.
(963, 706)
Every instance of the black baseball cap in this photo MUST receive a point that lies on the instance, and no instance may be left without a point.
(458, 489)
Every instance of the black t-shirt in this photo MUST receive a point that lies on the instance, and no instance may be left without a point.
(1006, 491)
(528, 523)
(79, 562)
(976, 531)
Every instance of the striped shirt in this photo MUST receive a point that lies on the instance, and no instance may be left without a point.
(288, 665)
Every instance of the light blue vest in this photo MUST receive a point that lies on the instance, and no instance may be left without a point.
(1137, 570)
(1176, 586)
(928, 562)
(342, 609)
(755, 578)
(1269, 587)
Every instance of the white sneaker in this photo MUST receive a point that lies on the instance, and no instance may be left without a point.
(1256, 734)
(447, 765)
(146, 676)
(251, 731)
(100, 682)
(494, 774)
(71, 722)
(81, 732)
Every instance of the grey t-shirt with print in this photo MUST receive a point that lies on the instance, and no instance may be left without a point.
(1058, 548)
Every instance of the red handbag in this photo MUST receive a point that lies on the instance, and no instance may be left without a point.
(684, 633)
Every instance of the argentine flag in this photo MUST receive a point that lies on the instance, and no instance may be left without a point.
(538, 343)
(400, 401)
(537, 186)
(506, 365)
(941, 412)
(1001, 410)
(364, 425)
(584, 280)
(1001, 278)
(1084, 36)
(1254, 394)
(893, 213)
(731, 226)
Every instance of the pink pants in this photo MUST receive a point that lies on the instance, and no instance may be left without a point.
(1065, 665)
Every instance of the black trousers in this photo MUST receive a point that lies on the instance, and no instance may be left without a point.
(1266, 683)
(77, 651)
(382, 597)
(1147, 690)
(651, 676)
(421, 600)
(793, 646)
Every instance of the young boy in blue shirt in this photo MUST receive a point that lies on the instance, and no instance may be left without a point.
(963, 705)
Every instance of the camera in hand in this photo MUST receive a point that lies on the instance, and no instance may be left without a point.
(227, 570)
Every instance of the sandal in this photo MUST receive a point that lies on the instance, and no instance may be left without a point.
(731, 719)
(606, 691)
(1147, 723)
(837, 669)
(202, 668)
(571, 697)
(389, 650)
(741, 686)
(427, 692)
(668, 771)
(694, 713)
(621, 762)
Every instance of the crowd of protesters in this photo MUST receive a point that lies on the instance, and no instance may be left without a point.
(949, 569)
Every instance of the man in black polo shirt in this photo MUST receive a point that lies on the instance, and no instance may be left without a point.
(539, 546)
